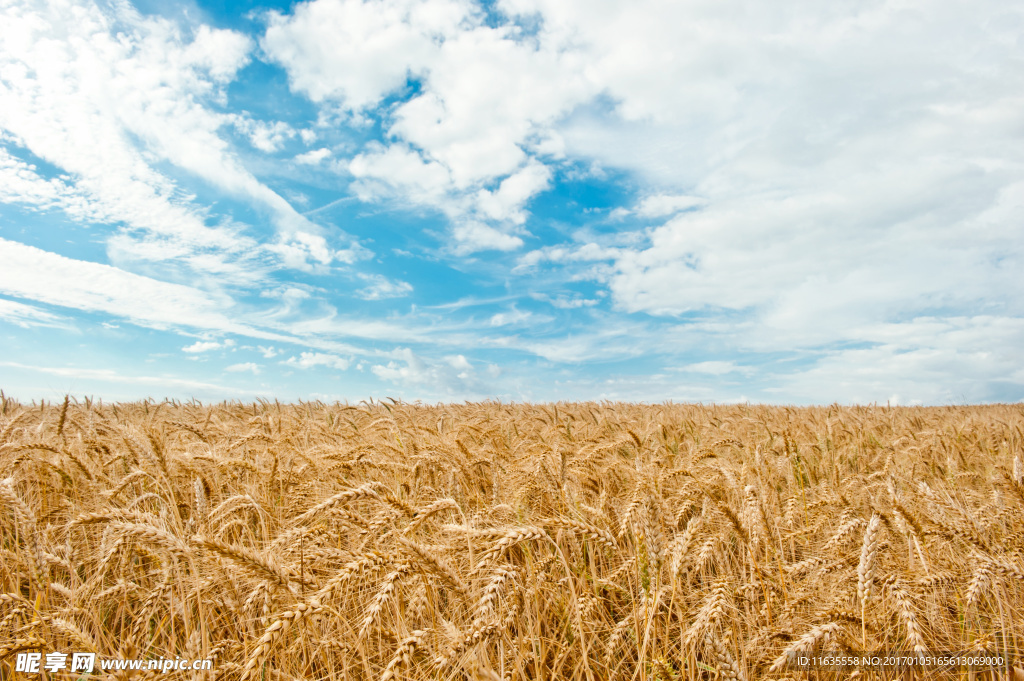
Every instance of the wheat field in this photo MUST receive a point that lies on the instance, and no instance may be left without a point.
(585, 541)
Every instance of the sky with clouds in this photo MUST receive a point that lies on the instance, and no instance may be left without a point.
(793, 202)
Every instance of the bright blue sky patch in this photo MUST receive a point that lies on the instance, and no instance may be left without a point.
(513, 199)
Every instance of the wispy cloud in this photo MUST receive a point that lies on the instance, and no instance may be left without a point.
(35, 274)
(108, 95)
(380, 287)
(128, 380)
(27, 316)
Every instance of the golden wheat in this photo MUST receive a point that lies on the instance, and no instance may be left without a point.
(565, 542)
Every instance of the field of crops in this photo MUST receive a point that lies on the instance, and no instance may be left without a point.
(507, 541)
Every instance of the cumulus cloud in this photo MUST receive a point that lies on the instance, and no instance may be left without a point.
(465, 129)
(505, 203)
(357, 52)
(574, 253)
(737, 111)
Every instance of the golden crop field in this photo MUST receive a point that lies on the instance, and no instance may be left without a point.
(498, 541)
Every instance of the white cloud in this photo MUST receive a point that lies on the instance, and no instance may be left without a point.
(250, 367)
(21, 183)
(206, 346)
(106, 95)
(313, 157)
(331, 325)
(600, 340)
(451, 376)
(459, 362)
(301, 250)
(933, 362)
(472, 236)
(267, 137)
(107, 377)
(201, 346)
(398, 166)
(841, 185)
(723, 108)
(381, 287)
(268, 352)
(716, 368)
(308, 360)
(506, 202)
(828, 206)
(570, 303)
(863, 251)
(582, 252)
(661, 205)
(513, 316)
(357, 52)
(27, 316)
(477, 124)
(466, 130)
(34, 274)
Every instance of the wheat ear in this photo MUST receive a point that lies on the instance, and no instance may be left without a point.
(403, 656)
(592, 532)
(710, 613)
(727, 666)
(980, 583)
(906, 612)
(367, 491)
(511, 538)
(805, 644)
(387, 587)
(866, 569)
(245, 560)
(274, 633)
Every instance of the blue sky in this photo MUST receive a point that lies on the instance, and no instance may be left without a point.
(793, 202)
